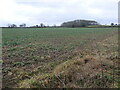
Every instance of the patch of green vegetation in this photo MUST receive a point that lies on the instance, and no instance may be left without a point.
(6, 70)
(22, 36)
(118, 83)
(17, 64)
(36, 58)
(12, 43)
(12, 49)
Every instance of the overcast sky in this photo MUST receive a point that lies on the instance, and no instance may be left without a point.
(52, 12)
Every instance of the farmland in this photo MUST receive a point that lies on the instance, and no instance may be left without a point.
(60, 57)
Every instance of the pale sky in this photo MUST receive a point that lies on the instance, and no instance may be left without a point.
(52, 12)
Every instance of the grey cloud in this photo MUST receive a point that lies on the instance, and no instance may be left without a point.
(57, 11)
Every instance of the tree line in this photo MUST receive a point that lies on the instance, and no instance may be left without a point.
(71, 24)
(85, 23)
(24, 25)
(79, 23)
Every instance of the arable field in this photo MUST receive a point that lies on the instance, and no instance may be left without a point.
(60, 57)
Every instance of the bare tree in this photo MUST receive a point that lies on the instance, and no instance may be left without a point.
(23, 25)
(42, 25)
(9, 25)
(13, 25)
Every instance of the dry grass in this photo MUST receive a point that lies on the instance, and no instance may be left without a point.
(75, 73)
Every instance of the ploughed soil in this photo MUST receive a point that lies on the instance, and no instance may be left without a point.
(94, 64)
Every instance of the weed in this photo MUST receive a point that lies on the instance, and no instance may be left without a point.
(17, 64)
(6, 70)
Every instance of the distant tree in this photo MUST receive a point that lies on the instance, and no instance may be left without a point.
(37, 26)
(112, 24)
(23, 25)
(9, 25)
(42, 25)
(13, 25)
